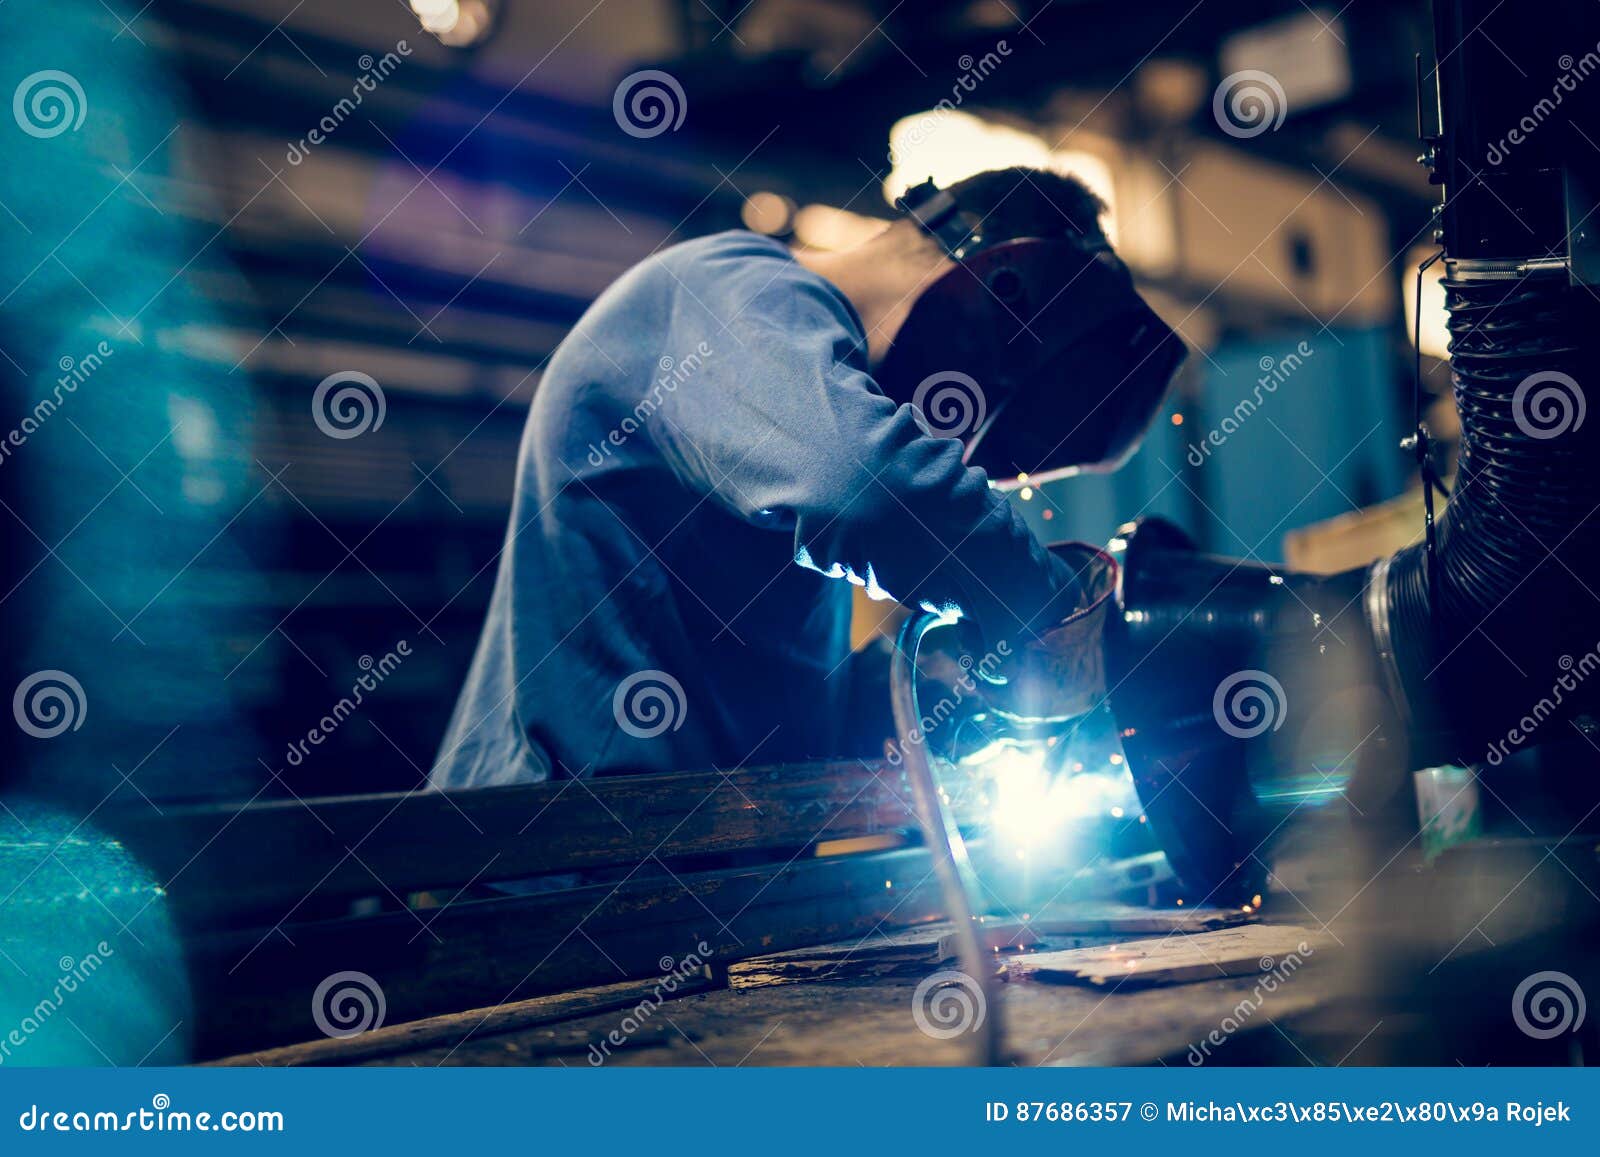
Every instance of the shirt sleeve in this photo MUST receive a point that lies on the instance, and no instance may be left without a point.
(783, 426)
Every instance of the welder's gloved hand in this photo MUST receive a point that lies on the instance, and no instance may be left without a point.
(1061, 674)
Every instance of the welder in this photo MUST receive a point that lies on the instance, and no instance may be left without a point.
(733, 426)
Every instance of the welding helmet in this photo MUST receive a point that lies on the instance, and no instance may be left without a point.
(1036, 351)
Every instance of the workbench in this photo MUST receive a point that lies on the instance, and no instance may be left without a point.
(269, 904)
(853, 1006)
(869, 1023)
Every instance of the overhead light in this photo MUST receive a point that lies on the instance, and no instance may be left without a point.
(1172, 90)
(437, 15)
(768, 213)
(458, 23)
(949, 145)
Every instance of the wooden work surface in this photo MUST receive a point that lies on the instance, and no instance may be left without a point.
(1377, 997)
(852, 1018)
(869, 1023)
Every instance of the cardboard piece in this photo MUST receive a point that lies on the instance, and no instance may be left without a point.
(1176, 959)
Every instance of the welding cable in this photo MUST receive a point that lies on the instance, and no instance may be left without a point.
(957, 880)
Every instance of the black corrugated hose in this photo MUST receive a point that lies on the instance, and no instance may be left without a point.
(1518, 545)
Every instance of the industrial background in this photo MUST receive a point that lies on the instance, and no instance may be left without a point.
(447, 224)
(278, 283)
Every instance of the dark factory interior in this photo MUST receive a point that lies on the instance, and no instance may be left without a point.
(426, 646)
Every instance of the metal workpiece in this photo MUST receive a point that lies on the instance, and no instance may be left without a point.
(1248, 696)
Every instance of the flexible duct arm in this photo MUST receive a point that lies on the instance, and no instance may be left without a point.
(1246, 693)
(1516, 560)
(1361, 676)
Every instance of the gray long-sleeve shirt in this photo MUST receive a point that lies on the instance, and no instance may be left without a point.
(705, 454)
